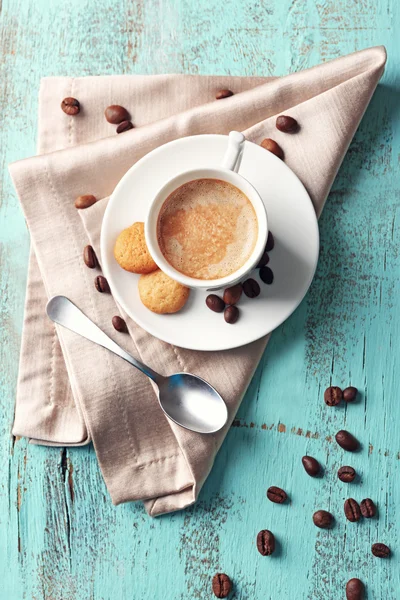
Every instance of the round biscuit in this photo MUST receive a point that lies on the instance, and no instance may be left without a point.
(161, 294)
(131, 252)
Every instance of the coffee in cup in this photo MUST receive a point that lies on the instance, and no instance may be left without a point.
(207, 229)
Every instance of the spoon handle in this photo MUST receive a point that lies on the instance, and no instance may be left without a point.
(64, 312)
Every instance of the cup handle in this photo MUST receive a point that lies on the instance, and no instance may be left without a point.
(234, 151)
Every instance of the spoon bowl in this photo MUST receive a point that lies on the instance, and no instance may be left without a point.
(192, 402)
(186, 399)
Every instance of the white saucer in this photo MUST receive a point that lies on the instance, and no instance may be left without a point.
(291, 218)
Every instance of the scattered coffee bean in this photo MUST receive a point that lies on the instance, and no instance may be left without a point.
(346, 474)
(270, 242)
(251, 288)
(287, 124)
(124, 126)
(266, 275)
(349, 394)
(352, 510)
(380, 550)
(101, 285)
(276, 495)
(311, 465)
(368, 508)
(89, 257)
(223, 94)
(221, 585)
(347, 441)
(119, 324)
(333, 396)
(232, 294)
(215, 303)
(115, 114)
(70, 106)
(231, 314)
(264, 260)
(85, 201)
(273, 147)
(322, 519)
(355, 589)
(265, 542)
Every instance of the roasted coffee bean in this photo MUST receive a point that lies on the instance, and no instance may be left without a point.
(70, 106)
(231, 314)
(276, 495)
(355, 589)
(116, 114)
(232, 294)
(101, 285)
(221, 585)
(273, 147)
(368, 508)
(215, 303)
(264, 260)
(380, 550)
(124, 126)
(311, 465)
(265, 542)
(333, 396)
(119, 324)
(287, 124)
(346, 474)
(322, 519)
(223, 94)
(85, 201)
(270, 242)
(352, 510)
(89, 257)
(266, 275)
(347, 441)
(349, 394)
(251, 288)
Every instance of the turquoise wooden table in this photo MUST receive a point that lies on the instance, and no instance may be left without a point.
(60, 537)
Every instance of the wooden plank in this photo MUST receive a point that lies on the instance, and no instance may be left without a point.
(60, 537)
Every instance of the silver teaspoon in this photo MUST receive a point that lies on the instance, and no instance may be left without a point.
(186, 399)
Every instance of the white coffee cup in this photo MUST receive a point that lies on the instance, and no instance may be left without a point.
(228, 172)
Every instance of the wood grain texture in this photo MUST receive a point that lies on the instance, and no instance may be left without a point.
(60, 537)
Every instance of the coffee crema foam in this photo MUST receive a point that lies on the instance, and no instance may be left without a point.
(207, 229)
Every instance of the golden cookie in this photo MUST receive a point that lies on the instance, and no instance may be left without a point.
(161, 294)
(131, 252)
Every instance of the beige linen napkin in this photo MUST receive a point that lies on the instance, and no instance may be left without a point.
(71, 391)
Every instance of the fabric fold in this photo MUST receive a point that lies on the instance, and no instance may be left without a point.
(70, 391)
